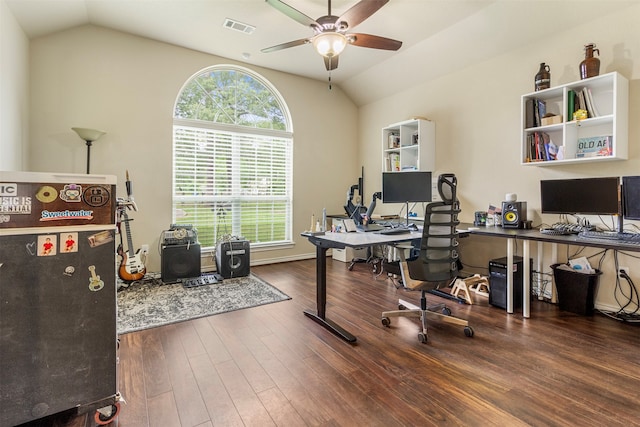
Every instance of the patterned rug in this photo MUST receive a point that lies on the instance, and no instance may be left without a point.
(148, 304)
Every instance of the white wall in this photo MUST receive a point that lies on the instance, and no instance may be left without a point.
(126, 85)
(477, 115)
(14, 90)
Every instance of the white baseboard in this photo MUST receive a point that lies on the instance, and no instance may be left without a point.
(265, 261)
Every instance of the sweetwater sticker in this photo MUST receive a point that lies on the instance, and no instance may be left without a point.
(66, 214)
(11, 203)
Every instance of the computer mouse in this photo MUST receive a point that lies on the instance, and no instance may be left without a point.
(413, 227)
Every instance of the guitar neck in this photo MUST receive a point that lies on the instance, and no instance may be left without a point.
(130, 247)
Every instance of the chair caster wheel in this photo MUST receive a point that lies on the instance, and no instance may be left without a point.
(386, 321)
(107, 414)
(422, 337)
(468, 331)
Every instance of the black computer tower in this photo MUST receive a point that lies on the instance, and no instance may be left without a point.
(498, 281)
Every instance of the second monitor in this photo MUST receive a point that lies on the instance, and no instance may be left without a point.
(406, 187)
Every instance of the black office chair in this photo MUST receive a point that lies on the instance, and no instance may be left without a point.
(436, 266)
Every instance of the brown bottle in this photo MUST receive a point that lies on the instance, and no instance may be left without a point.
(543, 78)
(590, 67)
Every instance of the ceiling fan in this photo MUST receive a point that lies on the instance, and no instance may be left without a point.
(330, 32)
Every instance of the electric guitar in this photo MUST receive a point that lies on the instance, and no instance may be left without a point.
(131, 267)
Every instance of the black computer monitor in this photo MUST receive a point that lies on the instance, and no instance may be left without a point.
(406, 187)
(631, 197)
(587, 196)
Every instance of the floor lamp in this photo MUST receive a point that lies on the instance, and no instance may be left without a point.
(88, 135)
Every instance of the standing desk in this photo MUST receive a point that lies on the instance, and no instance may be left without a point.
(363, 240)
(527, 236)
(341, 241)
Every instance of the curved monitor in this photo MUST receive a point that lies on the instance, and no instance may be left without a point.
(587, 196)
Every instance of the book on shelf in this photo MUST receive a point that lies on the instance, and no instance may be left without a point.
(529, 115)
(540, 147)
(540, 111)
(581, 100)
(594, 110)
(571, 104)
(588, 102)
(395, 162)
(582, 105)
(535, 110)
(596, 146)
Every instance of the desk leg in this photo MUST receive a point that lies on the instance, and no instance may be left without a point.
(510, 243)
(554, 260)
(540, 270)
(526, 282)
(321, 298)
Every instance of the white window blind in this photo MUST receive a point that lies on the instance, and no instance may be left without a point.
(233, 183)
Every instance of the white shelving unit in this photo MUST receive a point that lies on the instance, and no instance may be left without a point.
(409, 146)
(610, 95)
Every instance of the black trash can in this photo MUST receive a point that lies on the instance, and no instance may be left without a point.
(576, 291)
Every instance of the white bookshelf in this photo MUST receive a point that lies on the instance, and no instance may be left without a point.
(610, 96)
(409, 146)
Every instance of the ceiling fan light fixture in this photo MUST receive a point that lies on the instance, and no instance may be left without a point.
(330, 44)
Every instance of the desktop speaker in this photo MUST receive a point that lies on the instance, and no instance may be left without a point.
(233, 258)
(180, 262)
(514, 214)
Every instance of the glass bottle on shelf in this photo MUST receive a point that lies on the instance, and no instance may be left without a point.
(543, 78)
(590, 66)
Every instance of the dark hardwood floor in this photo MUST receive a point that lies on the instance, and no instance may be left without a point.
(271, 365)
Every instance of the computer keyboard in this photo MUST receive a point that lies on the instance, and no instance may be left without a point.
(397, 230)
(563, 229)
(628, 238)
(557, 231)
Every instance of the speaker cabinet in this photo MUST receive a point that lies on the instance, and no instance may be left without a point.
(180, 262)
(233, 258)
(514, 214)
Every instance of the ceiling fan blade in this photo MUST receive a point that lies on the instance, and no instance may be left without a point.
(331, 63)
(359, 12)
(294, 14)
(374, 42)
(294, 43)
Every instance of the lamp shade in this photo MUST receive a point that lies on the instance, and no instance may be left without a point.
(330, 44)
(88, 134)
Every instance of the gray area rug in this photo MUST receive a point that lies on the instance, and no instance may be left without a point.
(148, 305)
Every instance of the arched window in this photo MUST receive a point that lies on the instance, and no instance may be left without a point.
(232, 158)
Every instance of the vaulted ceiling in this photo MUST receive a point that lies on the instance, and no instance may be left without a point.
(438, 35)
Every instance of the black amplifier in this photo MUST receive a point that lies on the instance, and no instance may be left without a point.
(233, 258)
(180, 235)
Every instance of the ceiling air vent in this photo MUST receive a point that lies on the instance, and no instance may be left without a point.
(238, 26)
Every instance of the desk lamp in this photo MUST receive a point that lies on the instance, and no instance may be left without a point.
(88, 135)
